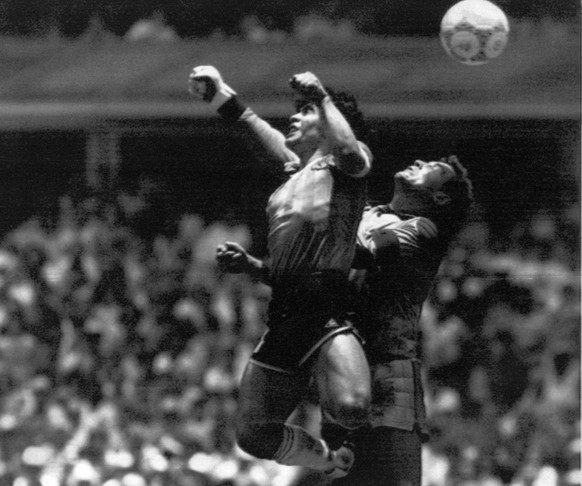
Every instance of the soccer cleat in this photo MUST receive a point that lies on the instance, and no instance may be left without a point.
(343, 459)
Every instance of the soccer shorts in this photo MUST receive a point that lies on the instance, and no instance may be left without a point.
(304, 313)
(288, 346)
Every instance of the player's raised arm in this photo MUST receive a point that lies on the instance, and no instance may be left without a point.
(266, 142)
(352, 157)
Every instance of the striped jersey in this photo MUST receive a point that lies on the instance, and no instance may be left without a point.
(313, 219)
(314, 215)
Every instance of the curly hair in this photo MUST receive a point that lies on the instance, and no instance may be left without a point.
(347, 105)
(460, 190)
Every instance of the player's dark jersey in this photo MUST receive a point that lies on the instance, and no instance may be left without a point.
(407, 257)
(395, 283)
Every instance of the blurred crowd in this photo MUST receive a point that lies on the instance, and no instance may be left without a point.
(120, 356)
(502, 349)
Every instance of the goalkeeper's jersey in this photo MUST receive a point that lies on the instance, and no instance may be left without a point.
(407, 254)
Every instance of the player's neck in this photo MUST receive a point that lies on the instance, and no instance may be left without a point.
(408, 205)
(309, 155)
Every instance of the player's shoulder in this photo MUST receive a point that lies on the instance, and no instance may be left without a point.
(425, 227)
(366, 157)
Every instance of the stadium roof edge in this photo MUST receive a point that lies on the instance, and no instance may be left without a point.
(84, 115)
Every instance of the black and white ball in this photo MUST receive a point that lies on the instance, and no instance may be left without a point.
(474, 31)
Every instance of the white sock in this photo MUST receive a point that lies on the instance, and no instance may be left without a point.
(300, 448)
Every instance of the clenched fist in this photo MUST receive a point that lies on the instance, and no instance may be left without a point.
(308, 86)
(206, 82)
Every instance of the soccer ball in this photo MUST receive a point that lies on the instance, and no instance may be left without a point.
(474, 31)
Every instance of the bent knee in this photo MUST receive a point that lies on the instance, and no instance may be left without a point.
(352, 410)
(253, 447)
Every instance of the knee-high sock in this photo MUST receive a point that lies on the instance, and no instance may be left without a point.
(300, 448)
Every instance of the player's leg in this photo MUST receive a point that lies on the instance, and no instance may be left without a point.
(343, 381)
(385, 455)
(267, 398)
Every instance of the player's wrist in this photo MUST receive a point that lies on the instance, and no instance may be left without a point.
(232, 109)
(220, 98)
(324, 98)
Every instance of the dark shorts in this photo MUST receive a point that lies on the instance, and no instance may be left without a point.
(289, 346)
(304, 313)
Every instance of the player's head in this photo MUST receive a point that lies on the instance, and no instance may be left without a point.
(305, 128)
(305, 133)
(440, 190)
